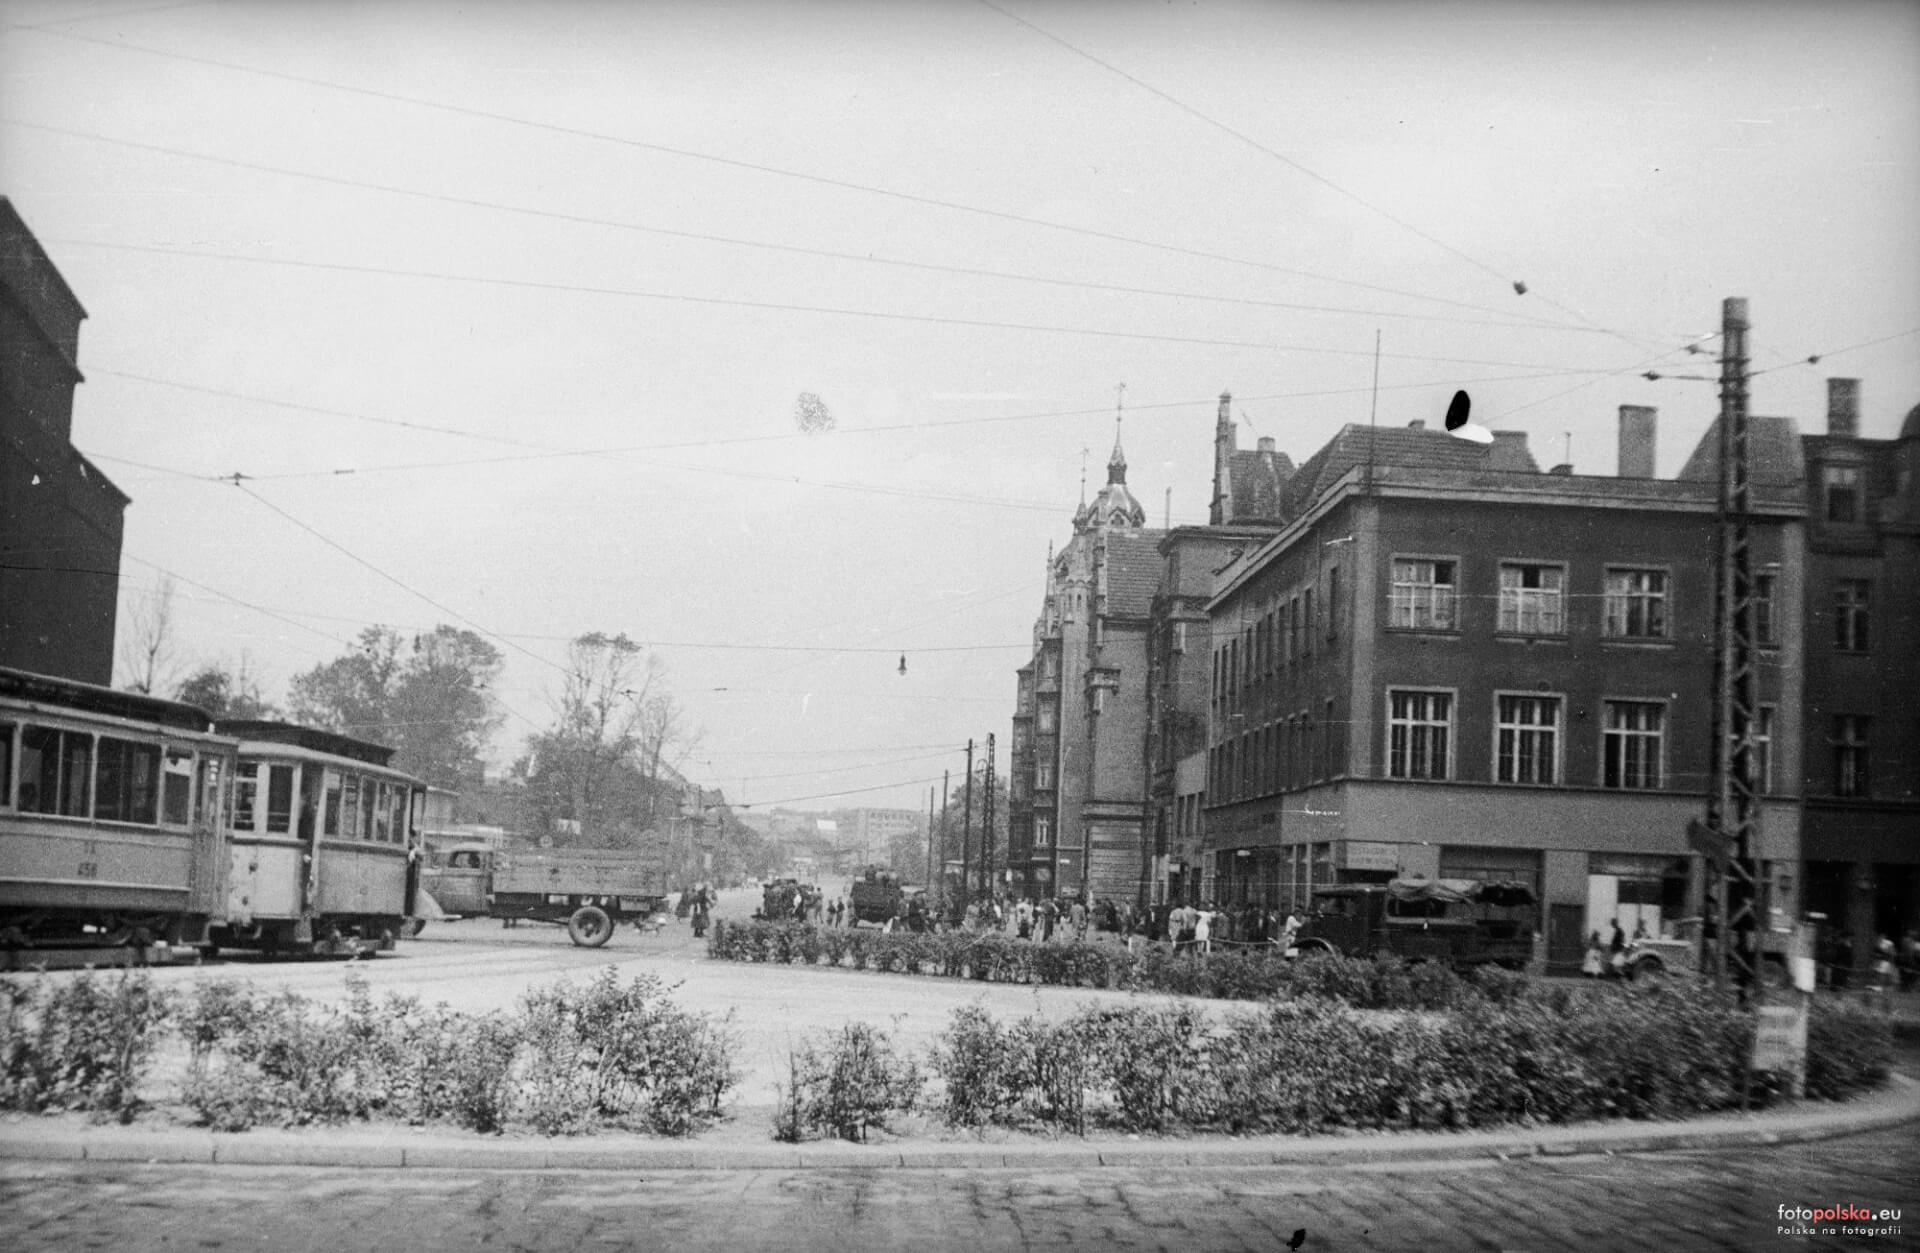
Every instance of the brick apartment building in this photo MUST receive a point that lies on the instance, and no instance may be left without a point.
(60, 517)
(1861, 829)
(1452, 664)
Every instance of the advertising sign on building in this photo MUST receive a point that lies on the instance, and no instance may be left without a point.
(1369, 855)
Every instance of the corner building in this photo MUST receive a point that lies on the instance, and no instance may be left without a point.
(1449, 663)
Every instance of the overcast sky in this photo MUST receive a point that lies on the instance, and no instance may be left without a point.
(504, 309)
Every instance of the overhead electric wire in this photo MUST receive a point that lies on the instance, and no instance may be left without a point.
(725, 302)
(399, 583)
(1816, 358)
(1520, 288)
(777, 306)
(735, 163)
(1514, 322)
(270, 613)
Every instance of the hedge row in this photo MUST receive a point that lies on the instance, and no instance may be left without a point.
(1306, 1066)
(570, 1059)
(1242, 974)
(567, 1059)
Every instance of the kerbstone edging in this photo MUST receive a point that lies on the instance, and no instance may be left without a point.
(409, 1148)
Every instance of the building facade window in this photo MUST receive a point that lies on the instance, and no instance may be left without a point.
(1424, 595)
(1634, 735)
(1419, 734)
(1843, 493)
(1636, 604)
(1532, 599)
(1333, 603)
(1043, 775)
(1044, 719)
(1852, 599)
(1527, 739)
(1850, 775)
(1042, 831)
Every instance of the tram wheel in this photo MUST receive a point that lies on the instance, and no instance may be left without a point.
(589, 927)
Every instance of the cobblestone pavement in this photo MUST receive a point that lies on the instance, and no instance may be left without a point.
(1709, 1200)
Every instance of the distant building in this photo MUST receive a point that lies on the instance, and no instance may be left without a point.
(1246, 507)
(1076, 794)
(60, 517)
(1861, 832)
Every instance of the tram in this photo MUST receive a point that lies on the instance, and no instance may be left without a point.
(131, 821)
(112, 816)
(324, 850)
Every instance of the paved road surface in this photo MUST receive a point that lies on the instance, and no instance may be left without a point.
(1720, 1200)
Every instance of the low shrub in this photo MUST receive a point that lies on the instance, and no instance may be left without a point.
(845, 1083)
(80, 1045)
(1849, 1049)
(613, 1055)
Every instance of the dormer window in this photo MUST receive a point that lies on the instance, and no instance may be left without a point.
(1843, 493)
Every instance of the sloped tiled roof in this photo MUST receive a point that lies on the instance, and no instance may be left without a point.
(1133, 571)
(1415, 448)
(1773, 453)
(1257, 487)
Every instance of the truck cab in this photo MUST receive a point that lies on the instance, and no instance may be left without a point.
(1463, 922)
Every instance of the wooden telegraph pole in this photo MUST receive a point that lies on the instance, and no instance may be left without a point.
(966, 835)
(986, 825)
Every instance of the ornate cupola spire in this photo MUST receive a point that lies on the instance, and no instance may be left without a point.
(1115, 506)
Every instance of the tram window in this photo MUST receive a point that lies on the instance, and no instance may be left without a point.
(399, 815)
(6, 765)
(383, 815)
(126, 785)
(331, 818)
(246, 795)
(350, 808)
(176, 788)
(369, 805)
(279, 799)
(309, 800)
(54, 769)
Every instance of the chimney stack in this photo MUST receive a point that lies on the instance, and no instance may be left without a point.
(1843, 407)
(1636, 441)
(1266, 443)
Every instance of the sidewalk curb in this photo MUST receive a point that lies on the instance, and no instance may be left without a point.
(402, 1149)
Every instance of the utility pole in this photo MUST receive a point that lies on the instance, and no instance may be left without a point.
(1733, 811)
(966, 834)
(946, 792)
(929, 879)
(986, 824)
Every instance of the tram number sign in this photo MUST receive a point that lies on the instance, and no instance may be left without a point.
(89, 870)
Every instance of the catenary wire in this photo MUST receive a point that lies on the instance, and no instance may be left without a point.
(754, 167)
(1514, 322)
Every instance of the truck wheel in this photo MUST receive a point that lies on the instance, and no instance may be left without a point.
(589, 927)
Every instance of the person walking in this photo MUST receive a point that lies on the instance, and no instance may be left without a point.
(1023, 919)
(1617, 952)
(1203, 930)
(1077, 915)
(1595, 963)
(1049, 914)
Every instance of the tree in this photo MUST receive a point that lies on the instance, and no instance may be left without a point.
(429, 699)
(227, 693)
(149, 654)
(950, 828)
(584, 773)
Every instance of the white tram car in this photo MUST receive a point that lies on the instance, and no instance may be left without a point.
(130, 820)
(324, 851)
